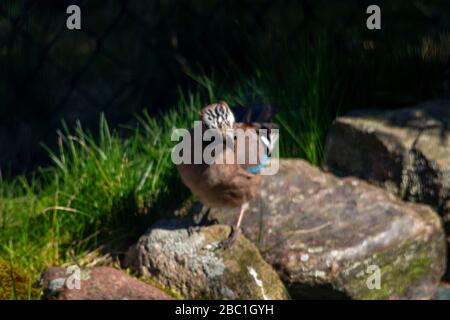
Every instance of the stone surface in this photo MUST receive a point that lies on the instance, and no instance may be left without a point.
(324, 235)
(100, 283)
(443, 292)
(407, 151)
(191, 264)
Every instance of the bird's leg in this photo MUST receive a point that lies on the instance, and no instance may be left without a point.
(204, 221)
(236, 231)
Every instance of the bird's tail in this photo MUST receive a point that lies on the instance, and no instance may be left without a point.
(259, 113)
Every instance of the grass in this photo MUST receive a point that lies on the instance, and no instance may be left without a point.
(99, 191)
(14, 283)
(105, 188)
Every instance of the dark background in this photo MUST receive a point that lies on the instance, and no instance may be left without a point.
(133, 55)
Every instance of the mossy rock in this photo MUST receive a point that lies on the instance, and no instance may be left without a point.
(14, 283)
(193, 265)
(335, 238)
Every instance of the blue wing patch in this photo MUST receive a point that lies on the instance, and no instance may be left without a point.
(257, 169)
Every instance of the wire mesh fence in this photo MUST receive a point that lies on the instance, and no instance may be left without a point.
(127, 56)
(130, 55)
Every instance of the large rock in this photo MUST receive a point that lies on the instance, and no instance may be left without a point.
(443, 292)
(407, 151)
(191, 263)
(327, 237)
(100, 283)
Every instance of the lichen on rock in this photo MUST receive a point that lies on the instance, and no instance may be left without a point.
(192, 264)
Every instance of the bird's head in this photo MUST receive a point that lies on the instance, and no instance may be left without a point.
(218, 116)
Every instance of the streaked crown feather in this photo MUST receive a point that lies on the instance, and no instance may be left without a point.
(217, 116)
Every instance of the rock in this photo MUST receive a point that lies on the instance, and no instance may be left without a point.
(190, 263)
(443, 292)
(406, 151)
(447, 273)
(99, 283)
(327, 236)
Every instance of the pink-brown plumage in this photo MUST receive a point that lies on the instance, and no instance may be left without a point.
(220, 185)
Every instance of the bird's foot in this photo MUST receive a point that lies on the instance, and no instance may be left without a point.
(227, 243)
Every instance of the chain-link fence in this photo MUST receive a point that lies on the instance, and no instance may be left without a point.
(127, 56)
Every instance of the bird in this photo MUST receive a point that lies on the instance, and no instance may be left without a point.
(230, 185)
